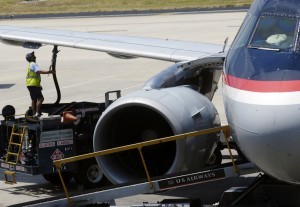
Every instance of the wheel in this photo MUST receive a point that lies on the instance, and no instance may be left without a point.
(90, 175)
(215, 158)
(55, 179)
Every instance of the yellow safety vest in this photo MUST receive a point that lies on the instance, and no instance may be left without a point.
(32, 78)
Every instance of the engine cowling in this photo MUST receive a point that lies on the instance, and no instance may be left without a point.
(150, 114)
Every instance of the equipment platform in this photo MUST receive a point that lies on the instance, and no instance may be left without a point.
(106, 197)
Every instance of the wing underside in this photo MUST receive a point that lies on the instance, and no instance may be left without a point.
(116, 45)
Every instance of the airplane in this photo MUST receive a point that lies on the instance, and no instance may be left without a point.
(260, 90)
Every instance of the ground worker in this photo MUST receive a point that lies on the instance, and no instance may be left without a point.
(33, 83)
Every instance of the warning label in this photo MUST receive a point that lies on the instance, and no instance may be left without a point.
(47, 144)
(57, 155)
(64, 142)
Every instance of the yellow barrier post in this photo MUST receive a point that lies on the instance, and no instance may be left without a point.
(227, 135)
(58, 168)
(145, 167)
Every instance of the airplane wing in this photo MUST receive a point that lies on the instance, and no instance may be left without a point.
(116, 45)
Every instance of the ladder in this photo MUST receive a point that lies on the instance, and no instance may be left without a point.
(14, 150)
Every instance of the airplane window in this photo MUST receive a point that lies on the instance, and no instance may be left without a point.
(274, 32)
(244, 33)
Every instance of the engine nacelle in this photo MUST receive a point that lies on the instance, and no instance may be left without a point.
(150, 114)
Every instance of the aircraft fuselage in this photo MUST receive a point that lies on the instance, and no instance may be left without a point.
(262, 88)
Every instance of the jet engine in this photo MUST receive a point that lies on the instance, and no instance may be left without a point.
(150, 114)
(175, 101)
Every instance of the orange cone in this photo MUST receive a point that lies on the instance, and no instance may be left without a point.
(68, 117)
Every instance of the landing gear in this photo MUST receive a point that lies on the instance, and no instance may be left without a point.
(215, 158)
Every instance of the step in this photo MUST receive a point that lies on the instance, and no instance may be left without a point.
(17, 134)
(12, 153)
(12, 174)
(12, 163)
(14, 143)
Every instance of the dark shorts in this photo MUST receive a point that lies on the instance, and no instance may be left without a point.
(35, 92)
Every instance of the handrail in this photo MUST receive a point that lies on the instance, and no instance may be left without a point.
(58, 163)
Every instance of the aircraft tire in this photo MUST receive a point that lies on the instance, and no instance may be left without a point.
(215, 158)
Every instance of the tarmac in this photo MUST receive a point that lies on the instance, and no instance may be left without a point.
(86, 75)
